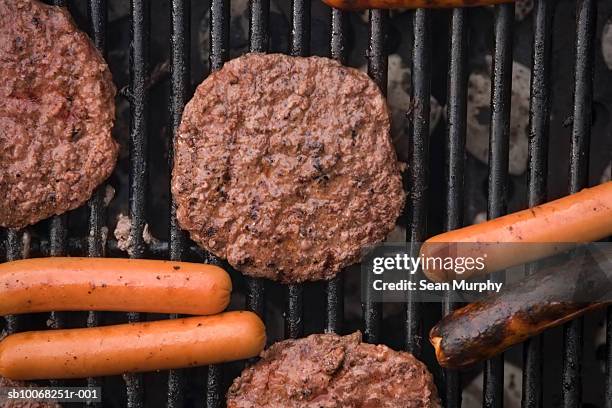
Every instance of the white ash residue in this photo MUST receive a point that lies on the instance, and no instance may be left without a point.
(480, 218)
(522, 8)
(606, 175)
(122, 234)
(109, 194)
(26, 244)
(606, 43)
(398, 98)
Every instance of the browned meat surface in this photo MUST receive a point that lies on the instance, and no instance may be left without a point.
(284, 166)
(326, 370)
(56, 114)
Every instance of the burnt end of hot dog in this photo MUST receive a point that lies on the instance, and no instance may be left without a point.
(548, 298)
(480, 331)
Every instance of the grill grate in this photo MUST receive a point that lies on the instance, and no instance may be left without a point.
(538, 166)
(377, 69)
(139, 100)
(579, 166)
(454, 159)
(98, 14)
(418, 159)
(178, 247)
(179, 95)
(499, 144)
(335, 287)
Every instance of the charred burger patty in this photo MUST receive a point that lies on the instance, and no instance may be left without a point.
(56, 114)
(284, 166)
(326, 370)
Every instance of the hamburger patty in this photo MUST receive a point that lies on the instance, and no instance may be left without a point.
(284, 166)
(326, 370)
(56, 114)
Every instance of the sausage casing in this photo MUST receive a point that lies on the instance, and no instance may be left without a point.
(134, 347)
(107, 284)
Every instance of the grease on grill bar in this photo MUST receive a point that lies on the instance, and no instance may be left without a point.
(579, 178)
(539, 112)
(377, 69)
(139, 96)
(180, 79)
(455, 153)
(335, 286)
(419, 159)
(499, 144)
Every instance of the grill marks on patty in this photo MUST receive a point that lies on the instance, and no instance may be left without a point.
(284, 166)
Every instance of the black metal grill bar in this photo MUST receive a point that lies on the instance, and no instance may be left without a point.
(57, 231)
(139, 50)
(335, 287)
(338, 49)
(334, 322)
(57, 238)
(58, 235)
(180, 84)
(578, 179)
(98, 14)
(14, 251)
(300, 28)
(377, 70)
(259, 25)
(219, 53)
(418, 159)
(455, 159)
(501, 84)
(539, 114)
(583, 95)
(608, 379)
(259, 41)
(219, 33)
(214, 386)
(294, 323)
(299, 40)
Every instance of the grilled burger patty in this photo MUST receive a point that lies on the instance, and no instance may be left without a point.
(327, 370)
(56, 114)
(284, 166)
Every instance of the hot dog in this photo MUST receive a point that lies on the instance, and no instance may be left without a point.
(555, 226)
(408, 4)
(129, 285)
(548, 298)
(135, 347)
